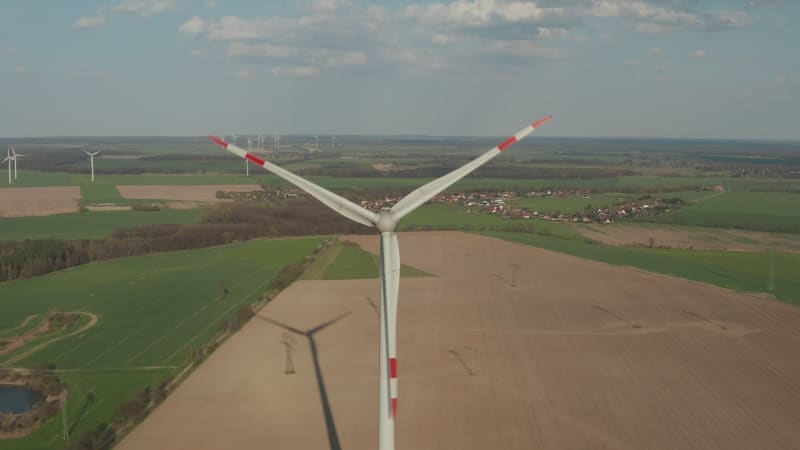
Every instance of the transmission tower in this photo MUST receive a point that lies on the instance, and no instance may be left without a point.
(288, 342)
(64, 427)
(771, 278)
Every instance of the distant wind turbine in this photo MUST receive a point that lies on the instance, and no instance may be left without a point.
(14, 157)
(386, 222)
(91, 158)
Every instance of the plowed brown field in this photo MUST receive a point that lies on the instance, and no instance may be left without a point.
(574, 355)
(38, 201)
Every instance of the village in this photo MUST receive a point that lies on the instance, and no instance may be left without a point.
(500, 203)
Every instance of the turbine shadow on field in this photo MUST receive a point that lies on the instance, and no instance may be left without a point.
(330, 425)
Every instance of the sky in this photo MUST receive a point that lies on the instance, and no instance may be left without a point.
(624, 68)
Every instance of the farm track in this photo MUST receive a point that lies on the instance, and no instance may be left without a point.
(93, 319)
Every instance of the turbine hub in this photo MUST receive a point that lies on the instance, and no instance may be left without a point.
(386, 223)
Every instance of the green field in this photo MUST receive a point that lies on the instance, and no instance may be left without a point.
(88, 225)
(773, 211)
(742, 271)
(443, 216)
(152, 311)
(94, 193)
(347, 262)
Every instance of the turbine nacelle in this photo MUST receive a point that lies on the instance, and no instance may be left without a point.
(386, 222)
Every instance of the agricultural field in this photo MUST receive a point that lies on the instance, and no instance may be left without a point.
(506, 346)
(38, 201)
(753, 272)
(346, 261)
(151, 312)
(90, 224)
(647, 234)
(773, 211)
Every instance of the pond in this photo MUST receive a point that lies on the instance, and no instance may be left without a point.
(17, 399)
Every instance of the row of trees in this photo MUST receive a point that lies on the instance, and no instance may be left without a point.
(220, 224)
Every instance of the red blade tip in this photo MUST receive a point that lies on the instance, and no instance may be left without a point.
(542, 121)
(218, 141)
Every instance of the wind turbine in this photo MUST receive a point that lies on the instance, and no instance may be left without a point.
(14, 157)
(91, 158)
(316, 141)
(386, 222)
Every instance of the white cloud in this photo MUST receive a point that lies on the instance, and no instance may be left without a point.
(145, 8)
(199, 53)
(328, 6)
(210, 4)
(18, 69)
(11, 51)
(89, 22)
(656, 50)
(294, 71)
(699, 53)
(245, 73)
(654, 18)
(259, 50)
(194, 26)
(347, 59)
(482, 13)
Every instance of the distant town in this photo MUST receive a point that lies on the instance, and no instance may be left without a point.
(501, 203)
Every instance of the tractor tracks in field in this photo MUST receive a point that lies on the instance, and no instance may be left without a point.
(93, 319)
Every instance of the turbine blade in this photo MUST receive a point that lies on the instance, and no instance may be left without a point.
(341, 205)
(390, 286)
(421, 195)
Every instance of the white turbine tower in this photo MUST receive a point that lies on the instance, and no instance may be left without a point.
(91, 158)
(386, 222)
(316, 141)
(8, 159)
(333, 141)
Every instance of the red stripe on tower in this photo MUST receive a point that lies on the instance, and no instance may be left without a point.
(218, 141)
(394, 407)
(507, 143)
(393, 367)
(541, 121)
(255, 159)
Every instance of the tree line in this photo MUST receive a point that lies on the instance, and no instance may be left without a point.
(219, 224)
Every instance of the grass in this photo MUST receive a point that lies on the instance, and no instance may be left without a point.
(347, 262)
(454, 217)
(771, 211)
(741, 271)
(94, 193)
(88, 225)
(153, 310)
